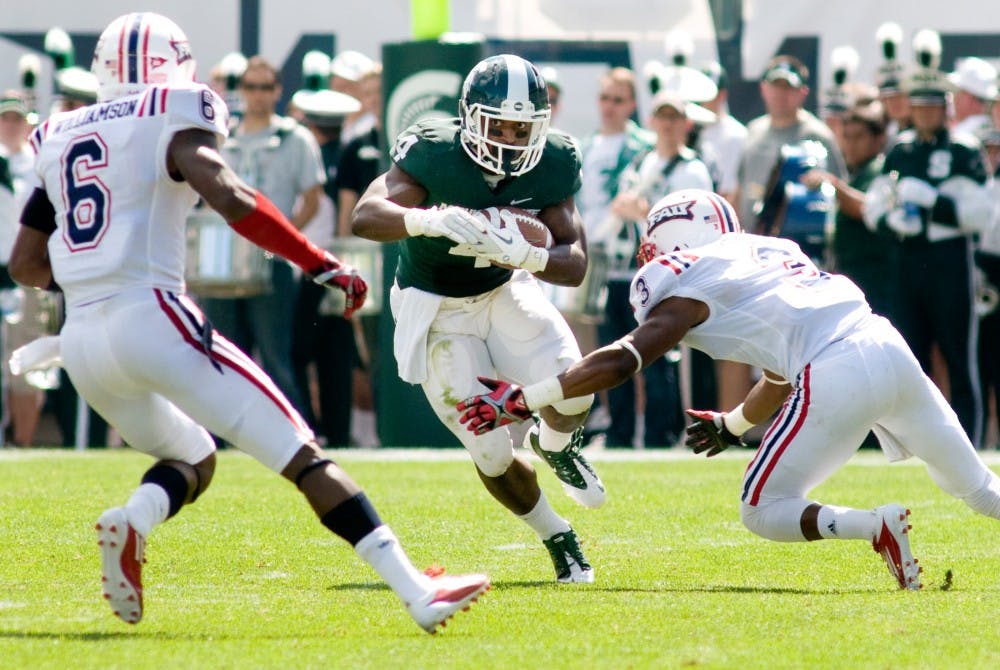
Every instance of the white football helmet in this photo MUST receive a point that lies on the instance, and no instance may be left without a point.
(506, 88)
(686, 219)
(138, 50)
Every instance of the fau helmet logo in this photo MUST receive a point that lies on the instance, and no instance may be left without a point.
(680, 210)
(182, 49)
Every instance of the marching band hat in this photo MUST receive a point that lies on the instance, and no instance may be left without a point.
(325, 108)
(975, 76)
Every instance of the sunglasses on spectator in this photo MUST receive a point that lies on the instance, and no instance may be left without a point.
(616, 99)
(248, 86)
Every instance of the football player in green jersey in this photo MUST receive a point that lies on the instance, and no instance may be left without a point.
(466, 302)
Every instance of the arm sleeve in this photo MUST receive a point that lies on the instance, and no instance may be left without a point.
(38, 212)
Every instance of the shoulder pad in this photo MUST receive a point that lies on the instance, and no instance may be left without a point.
(196, 106)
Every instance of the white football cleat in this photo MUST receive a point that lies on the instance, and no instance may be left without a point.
(446, 596)
(579, 479)
(122, 556)
(892, 542)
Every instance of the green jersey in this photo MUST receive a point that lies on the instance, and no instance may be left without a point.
(946, 157)
(431, 153)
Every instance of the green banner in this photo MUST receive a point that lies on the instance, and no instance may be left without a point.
(419, 79)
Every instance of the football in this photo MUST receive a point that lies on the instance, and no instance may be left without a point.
(532, 228)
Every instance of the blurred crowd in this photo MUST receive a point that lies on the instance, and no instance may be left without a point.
(891, 182)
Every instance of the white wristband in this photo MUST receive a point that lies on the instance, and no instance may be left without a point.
(536, 261)
(735, 422)
(543, 393)
(415, 221)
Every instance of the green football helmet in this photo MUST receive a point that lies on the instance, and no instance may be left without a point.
(504, 88)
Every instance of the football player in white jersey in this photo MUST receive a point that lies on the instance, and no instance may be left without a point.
(834, 368)
(106, 223)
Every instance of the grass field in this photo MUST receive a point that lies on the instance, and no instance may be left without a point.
(247, 578)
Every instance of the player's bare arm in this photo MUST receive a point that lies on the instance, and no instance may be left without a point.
(610, 366)
(29, 258)
(193, 156)
(379, 214)
(567, 262)
(766, 396)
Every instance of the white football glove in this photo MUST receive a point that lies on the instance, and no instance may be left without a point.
(455, 223)
(903, 224)
(505, 246)
(917, 191)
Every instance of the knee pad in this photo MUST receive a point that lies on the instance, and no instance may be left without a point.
(986, 499)
(492, 453)
(779, 521)
(574, 406)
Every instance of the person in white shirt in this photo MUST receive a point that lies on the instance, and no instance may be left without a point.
(835, 370)
(724, 138)
(670, 166)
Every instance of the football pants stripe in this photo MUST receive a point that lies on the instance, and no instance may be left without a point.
(190, 323)
(777, 439)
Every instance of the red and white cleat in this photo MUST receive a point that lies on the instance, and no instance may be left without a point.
(892, 542)
(447, 595)
(122, 556)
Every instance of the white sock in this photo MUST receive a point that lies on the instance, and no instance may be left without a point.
(147, 507)
(550, 439)
(381, 550)
(543, 519)
(845, 523)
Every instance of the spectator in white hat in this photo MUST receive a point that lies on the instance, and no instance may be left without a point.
(975, 83)
(351, 72)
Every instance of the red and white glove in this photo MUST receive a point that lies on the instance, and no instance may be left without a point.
(341, 276)
(709, 433)
(503, 405)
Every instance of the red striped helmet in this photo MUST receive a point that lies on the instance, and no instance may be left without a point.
(686, 219)
(138, 50)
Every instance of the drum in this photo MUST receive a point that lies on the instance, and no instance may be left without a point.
(366, 256)
(220, 262)
(791, 210)
(584, 303)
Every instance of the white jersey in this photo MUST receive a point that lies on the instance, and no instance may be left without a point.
(120, 215)
(770, 306)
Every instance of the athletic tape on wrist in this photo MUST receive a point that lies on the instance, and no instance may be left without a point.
(536, 261)
(543, 393)
(414, 221)
(735, 422)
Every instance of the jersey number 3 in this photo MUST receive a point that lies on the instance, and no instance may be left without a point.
(87, 198)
